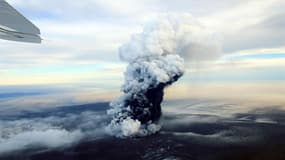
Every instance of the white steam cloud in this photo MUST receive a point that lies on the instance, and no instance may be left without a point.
(154, 58)
(50, 132)
(179, 34)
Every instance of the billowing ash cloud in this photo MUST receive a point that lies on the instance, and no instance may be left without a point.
(154, 63)
(136, 112)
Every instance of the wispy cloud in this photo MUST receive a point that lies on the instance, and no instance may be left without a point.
(250, 25)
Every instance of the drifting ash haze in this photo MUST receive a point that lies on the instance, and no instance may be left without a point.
(155, 62)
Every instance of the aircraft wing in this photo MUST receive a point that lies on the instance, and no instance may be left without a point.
(15, 27)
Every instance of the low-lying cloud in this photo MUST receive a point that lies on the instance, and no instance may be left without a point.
(62, 130)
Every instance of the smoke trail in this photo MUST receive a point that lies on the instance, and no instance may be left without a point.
(154, 63)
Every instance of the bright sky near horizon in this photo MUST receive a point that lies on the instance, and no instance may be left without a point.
(81, 40)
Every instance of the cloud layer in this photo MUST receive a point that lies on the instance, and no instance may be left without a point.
(52, 131)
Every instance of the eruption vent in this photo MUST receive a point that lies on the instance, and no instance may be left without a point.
(154, 63)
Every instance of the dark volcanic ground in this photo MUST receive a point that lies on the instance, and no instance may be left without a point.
(255, 135)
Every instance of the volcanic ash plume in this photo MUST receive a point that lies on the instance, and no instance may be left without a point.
(154, 63)
(137, 111)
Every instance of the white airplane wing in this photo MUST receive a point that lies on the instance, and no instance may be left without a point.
(15, 27)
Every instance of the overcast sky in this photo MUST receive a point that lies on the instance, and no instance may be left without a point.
(81, 40)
